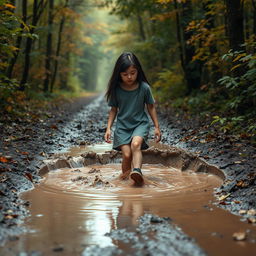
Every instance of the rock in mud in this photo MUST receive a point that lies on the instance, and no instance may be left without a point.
(98, 181)
(94, 170)
(239, 236)
(80, 178)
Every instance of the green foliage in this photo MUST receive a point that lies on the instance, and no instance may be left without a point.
(9, 29)
(10, 100)
(244, 126)
(199, 103)
(240, 87)
(7, 88)
(228, 123)
(169, 86)
(146, 34)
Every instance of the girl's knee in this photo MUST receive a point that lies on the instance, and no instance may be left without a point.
(136, 144)
(127, 155)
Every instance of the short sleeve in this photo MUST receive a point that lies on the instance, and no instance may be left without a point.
(112, 102)
(149, 99)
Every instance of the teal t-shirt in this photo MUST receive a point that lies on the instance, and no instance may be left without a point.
(132, 118)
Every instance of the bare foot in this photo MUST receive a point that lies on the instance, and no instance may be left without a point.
(124, 176)
(137, 177)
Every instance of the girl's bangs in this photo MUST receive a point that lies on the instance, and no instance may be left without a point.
(125, 65)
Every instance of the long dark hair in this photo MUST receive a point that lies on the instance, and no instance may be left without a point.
(124, 61)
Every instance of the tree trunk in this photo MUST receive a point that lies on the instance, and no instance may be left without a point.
(15, 57)
(36, 15)
(246, 25)
(48, 47)
(28, 48)
(18, 41)
(254, 17)
(141, 27)
(64, 76)
(214, 72)
(62, 22)
(191, 69)
(178, 34)
(235, 24)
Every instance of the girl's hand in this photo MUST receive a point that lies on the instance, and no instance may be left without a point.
(107, 136)
(158, 134)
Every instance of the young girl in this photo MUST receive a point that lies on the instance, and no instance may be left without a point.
(128, 92)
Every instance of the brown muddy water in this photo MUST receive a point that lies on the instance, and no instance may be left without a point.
(73, 208)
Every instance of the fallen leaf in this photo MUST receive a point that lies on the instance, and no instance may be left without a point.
(29, 176)
(244, 135)
(241, 184)
(11, 216)
(4, 159)
(54, 126)
(24, 153)
(10, 6)
(239, 236)
(223, 197)
(223, 203)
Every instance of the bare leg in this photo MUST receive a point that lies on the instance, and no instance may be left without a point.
(136, 151)
(127, 161)
(136, 174)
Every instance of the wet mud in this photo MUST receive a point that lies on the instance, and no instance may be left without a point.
(232, 159)
(81, 196)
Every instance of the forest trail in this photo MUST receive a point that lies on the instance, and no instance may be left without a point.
(116, 207)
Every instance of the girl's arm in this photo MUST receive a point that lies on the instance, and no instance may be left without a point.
(152, 112)
(111, 118)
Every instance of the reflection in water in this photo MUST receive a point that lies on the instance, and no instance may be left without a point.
(129, 213)
(69, 210)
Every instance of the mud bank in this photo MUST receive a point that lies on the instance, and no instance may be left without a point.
(234, 156)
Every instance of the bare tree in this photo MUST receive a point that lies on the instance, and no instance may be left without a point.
(48, 47)
(235, 24)
(62, 22)
(37, 12)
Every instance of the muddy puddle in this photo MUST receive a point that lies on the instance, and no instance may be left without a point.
(81, 198)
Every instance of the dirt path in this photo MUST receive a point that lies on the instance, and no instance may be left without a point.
(25, 145)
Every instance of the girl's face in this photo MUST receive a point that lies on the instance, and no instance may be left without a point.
(129, 76)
